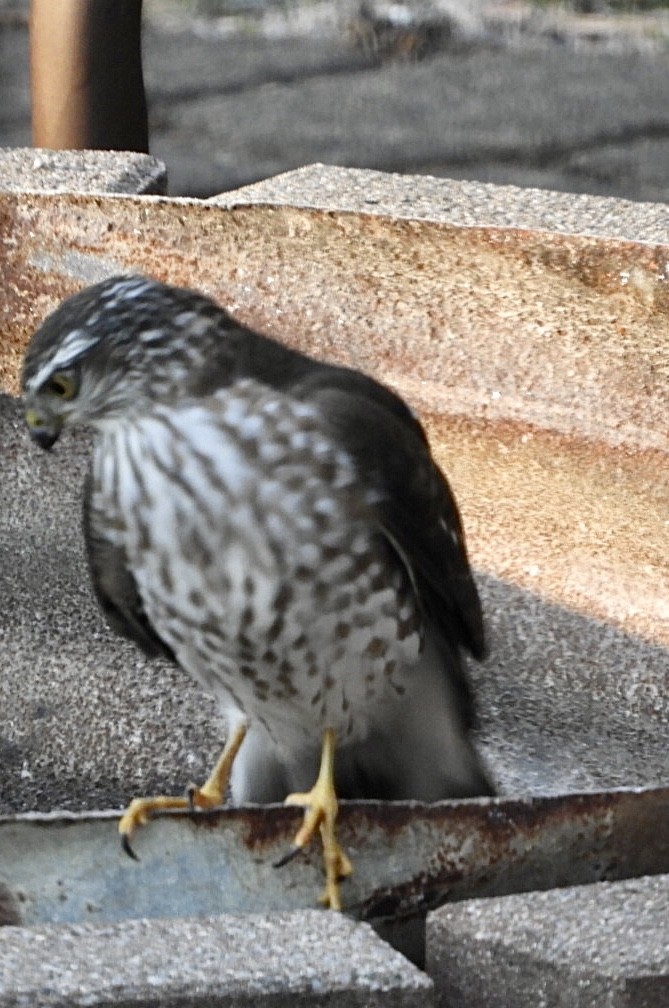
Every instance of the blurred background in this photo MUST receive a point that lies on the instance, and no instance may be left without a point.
(569, 96)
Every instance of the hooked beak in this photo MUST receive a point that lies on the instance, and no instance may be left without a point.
(43, 431)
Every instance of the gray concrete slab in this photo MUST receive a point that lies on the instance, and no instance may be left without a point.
(447, 201)
(31, 169)
(79, 706)
(280, 960)
(573, 695)
(586, 947)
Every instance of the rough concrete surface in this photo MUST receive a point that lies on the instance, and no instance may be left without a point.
(38, 170)
(66, 679)
(587, 947)
(460, 203)
(279, 960)
(573, 693)
(511, 95)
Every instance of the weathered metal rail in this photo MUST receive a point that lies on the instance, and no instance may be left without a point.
(408, 857)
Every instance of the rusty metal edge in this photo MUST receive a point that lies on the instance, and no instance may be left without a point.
(454, 850)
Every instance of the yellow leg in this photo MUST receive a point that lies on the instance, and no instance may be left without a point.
(210, 795)
(321, 811)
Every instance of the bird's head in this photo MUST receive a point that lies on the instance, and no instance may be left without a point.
(114, 349)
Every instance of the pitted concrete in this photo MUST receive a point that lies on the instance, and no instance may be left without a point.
(573, 694)
(449, 201)
(279, 960)
(586, 947)
(25, 169)
(80, 709)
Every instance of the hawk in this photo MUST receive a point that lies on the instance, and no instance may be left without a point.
(278, 527)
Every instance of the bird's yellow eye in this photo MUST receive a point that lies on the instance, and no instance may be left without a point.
(62, 385)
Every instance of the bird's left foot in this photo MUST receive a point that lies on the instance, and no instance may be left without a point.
(210, 795)
(321, 812)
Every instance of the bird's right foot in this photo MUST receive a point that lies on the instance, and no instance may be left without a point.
(210, 795)
(320, 806)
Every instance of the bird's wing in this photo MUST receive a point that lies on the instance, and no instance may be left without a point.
(416, 509)
(115, 586)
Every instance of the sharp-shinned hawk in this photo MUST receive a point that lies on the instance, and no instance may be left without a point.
(278, 527)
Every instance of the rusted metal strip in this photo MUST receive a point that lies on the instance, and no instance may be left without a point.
(408, 857)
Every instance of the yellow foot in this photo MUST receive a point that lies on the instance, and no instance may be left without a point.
(210, 795)
(321, 812)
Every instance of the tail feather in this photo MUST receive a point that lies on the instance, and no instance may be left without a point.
(422, 752)
(426, 752)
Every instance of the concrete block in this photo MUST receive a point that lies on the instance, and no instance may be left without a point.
(32, 169)
(537, 359)
(581, 947)
(282, 960)
(462, 204)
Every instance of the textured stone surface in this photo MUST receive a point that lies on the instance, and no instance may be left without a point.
(78, 704)
(310, 958)
(586, 947)
(464, 204)
(538, 362)
(24, 168)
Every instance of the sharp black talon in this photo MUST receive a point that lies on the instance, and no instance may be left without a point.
(191, 791)
(125, 844)
(290, 856)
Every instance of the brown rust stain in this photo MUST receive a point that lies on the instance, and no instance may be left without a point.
(269, 829)
(10, 913)
(469, 848)
(497, 822)
(602, 836)
(262, 828)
